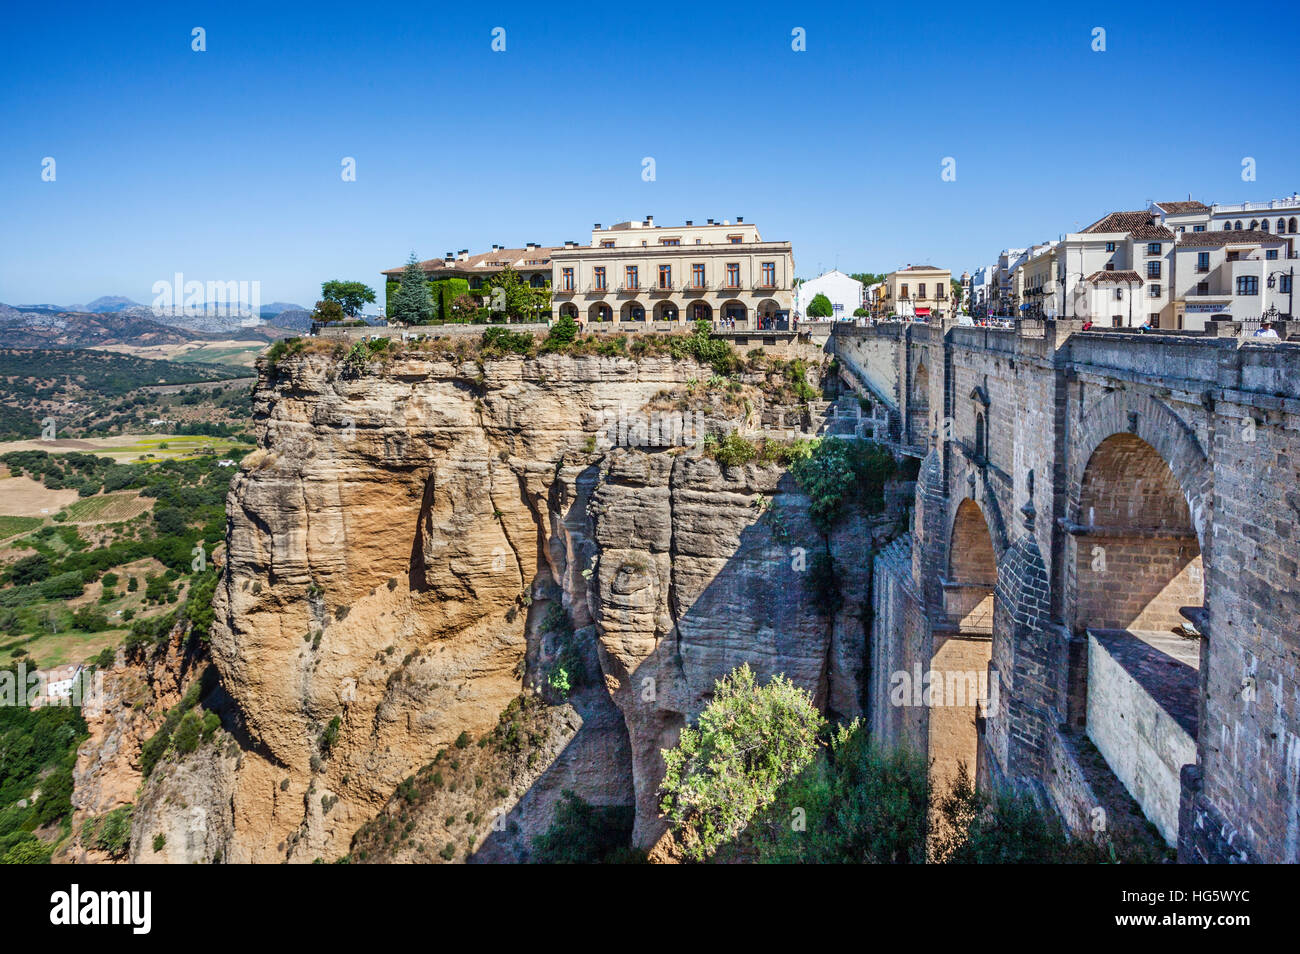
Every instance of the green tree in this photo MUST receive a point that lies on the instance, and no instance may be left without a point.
(412, 303)
(820, 307)
(510, 297)
(327, 312)
(868, 278)
(729, 765)
(350, 296)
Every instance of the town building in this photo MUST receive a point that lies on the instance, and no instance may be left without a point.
(846, 294)
(1172, 265)
(917, 291)
(638, 273)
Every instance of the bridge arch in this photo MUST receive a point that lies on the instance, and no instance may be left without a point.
(1139, 505)
(918, 404)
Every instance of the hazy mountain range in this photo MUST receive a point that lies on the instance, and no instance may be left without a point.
(26, 326)
(283, 315)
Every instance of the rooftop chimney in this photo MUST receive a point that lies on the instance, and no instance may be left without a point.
(739, 219)
(596, 226)
(688, 223)
(649, 220)
(710, 221)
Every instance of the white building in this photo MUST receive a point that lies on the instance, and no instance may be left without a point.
(845, 294)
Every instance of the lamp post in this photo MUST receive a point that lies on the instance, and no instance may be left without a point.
(1290, 289)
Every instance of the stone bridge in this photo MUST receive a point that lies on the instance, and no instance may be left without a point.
(1097, 603)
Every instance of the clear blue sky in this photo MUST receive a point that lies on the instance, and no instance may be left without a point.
(225, 164)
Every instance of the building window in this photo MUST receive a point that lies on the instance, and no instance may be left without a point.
(921, 290)
(1234, 255)
(1284, 284)
(1198, 228)
(600, 279)
(1110, 246)
(733, 239)
(1236, 226)
(607, 244)
(697, 275)
(1153, 248)
(1110, 266)
(476, 282)
(1270, 254)
(1153, 319)
(903, 293)
(631, 273)
(665, 276)
(1153, 291)
(671, 242)
(1290, 226)
(1227, 226)
(769, 274)
(568, 279)
(1263, 226)
(1119, 294)
(1202, 261)
(1153, 269)
(1202, 288)
(733, 274)
(1247, 284)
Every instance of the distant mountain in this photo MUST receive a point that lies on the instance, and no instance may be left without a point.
(278, 307)
(106, 305)
(22, 327)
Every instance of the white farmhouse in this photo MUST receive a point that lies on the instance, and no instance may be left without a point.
(844, 292)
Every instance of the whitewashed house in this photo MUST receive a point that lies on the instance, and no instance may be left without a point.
(844, 292)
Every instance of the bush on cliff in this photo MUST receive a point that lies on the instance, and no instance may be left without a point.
(838, 473)
(729, 765)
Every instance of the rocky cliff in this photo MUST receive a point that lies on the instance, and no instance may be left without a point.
(408, 524)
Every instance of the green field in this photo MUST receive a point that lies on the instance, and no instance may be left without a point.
(109, 508)
(236, 356)
(11, 525)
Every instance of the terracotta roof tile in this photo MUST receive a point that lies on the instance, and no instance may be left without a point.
(1225, 237)
(1124, 277)
(1182, 208)
(487, 261)
(1137, 224)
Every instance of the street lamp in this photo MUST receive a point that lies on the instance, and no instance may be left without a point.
(1290, 289)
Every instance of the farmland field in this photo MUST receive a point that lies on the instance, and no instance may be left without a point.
(108, 508)
(129, 448)
(24, 497)
(11, 525)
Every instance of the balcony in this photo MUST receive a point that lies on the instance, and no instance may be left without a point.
(563, 291)
(626, 289)
(727, 286)
(661, 289)
(596, 290)
(691, 288)
(765, 285)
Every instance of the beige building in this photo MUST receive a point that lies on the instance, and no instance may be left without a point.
(917, 291)
(642, 275)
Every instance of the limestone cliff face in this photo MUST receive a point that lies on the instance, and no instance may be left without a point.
(392, 546)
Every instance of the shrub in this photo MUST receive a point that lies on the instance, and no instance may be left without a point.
(498, 341)
(727, 766)
(837, 473)
(583, 834)
(159, 840)
(562, 334)
(733, 450)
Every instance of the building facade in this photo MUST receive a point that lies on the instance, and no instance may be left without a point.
(636, 273)
(917, 291)
(1172, 265)
(846, 294)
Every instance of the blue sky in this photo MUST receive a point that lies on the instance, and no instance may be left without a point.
(225, 164)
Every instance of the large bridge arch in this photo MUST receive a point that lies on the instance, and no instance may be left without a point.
(1138, 508)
